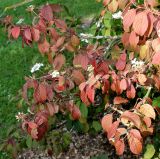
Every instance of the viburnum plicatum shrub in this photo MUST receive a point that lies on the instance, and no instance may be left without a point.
(131, 67)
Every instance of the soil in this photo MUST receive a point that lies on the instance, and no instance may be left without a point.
(83, 146)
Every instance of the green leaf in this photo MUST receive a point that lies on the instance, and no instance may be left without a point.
(97, 126)
(156, 102)
(150, 151)
(84, 110)
(29, 142)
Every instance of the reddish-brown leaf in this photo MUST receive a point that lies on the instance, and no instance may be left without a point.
(140, 23)
(106, 122)
(60, 24)
(76, 114)
(78, 77)
(60, 41)
(125, 39)
(47, 13)
(128, 19)
(120, 100)
(59, 61)
(75, 41)
(156, 44)
(15, 31)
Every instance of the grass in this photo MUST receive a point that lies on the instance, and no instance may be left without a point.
(15, 61)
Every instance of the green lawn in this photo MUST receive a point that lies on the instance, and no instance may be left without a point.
(15, 61)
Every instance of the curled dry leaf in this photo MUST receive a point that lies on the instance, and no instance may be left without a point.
(148, 111)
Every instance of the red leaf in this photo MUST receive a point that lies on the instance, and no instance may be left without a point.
(107, 122)
(47, 13)
(60, 41)
(84, 98)
(121, 63)
(15, 32)
(140, 23)
(128, 19)
(59, 61)
(119, 145)
(125, 39)
(120, 100)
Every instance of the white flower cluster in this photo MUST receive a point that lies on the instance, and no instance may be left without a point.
(55, 73)
(90, 70)
(117, 15)
(137, 65)
(36, 67)
(20, 116)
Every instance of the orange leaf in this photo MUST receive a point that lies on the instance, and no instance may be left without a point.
(148, 111)
(140, 23)
(133, 40)
(156, 58)
(134, 118)
(131, 92)
(78, 77)
(120, 100)
(128, 19)
(119, 145)
(134, 140)
(106, 122)
(113, 6)
(123, 84)
(112, 130)
(142, 79)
